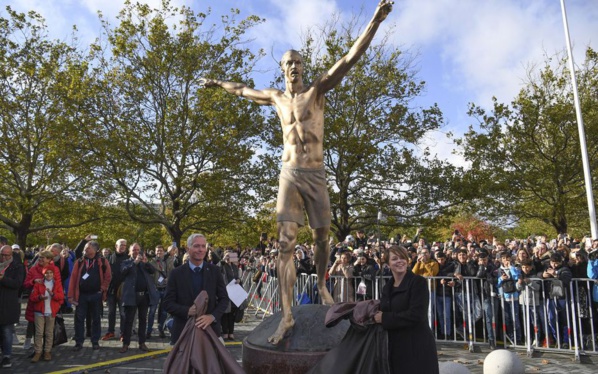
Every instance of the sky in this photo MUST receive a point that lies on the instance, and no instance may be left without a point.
(466, 50)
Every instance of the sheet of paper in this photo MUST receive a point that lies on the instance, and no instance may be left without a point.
(236, 293)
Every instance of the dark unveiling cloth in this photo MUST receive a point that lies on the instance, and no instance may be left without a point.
(199, 351)
(364, 349)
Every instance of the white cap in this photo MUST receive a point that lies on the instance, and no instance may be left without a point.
(349, 238)
(15, 246)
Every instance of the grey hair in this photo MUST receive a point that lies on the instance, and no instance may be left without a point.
(192, 237)
(57, 246)
(95, 245)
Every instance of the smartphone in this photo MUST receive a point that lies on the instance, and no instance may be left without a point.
(93, 237)
(174, 244)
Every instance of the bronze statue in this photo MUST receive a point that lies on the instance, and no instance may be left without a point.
(302, 183)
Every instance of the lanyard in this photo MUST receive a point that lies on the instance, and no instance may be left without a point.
(88, 267)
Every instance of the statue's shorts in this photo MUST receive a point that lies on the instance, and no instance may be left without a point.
(303, 188)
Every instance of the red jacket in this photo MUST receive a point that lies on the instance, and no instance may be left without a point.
(39, 290)
(105, 277)
(36, 273)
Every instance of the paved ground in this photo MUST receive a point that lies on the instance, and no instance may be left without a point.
(109, 360)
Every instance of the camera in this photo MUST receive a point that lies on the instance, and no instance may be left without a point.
(93, 237)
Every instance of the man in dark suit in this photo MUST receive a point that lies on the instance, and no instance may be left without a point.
(187, 281)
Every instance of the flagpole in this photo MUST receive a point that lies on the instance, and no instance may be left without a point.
(580, 126)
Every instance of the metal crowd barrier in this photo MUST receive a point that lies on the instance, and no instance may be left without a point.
(465, 313)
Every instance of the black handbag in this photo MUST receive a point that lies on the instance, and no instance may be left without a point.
(59, 331)
(239, 314)
(508, 286)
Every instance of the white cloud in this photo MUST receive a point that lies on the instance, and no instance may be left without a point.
(472, 50)
(486, 45)
(287, 21)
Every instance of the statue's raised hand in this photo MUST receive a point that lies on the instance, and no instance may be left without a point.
(383, 9)
(206, 82)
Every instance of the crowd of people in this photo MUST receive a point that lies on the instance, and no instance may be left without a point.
(526, 282)
(86, 281)
(527, 285)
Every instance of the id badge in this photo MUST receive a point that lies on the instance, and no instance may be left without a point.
(161, 279)
(85, 276)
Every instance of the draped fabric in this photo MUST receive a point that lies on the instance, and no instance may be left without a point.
(364, 348)
(199, 351)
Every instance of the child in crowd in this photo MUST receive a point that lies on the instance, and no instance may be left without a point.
(47, 297)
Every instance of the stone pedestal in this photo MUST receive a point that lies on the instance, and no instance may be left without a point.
(307, 343)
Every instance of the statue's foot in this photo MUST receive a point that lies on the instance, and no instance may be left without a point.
(325, 296)
(283, 329)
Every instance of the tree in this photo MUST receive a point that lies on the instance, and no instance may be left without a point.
(177, 155)
(526, 159)
(41, 177)
(373, 133)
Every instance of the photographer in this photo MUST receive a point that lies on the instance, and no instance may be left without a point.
(557, 277)
(302, 261)
(367, 273)
(230, 272)
(508, 277)
(342, 271)
(138, 294)
(425, 265)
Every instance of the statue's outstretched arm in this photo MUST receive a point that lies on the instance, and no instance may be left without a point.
(334, 76)
(262, 97)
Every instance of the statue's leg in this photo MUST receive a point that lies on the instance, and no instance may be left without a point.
(285, 268)
(321, 253)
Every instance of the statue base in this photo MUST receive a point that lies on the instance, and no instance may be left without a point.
(298, 352)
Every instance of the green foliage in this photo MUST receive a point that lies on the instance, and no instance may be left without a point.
(40, 169)
(172, 153)
(526, 158)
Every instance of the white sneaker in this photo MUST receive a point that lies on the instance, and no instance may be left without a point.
(27, 344)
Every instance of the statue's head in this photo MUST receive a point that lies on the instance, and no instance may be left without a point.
(291, 64)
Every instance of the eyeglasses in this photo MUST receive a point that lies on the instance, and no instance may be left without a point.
(5, 255)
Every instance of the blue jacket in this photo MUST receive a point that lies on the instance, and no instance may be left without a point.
(515, 275)
(593, 273)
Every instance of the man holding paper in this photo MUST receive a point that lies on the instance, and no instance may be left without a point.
(230, 273)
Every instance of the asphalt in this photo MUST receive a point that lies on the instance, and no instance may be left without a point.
(108, 359)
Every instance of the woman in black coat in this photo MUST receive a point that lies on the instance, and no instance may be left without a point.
(404, 315)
